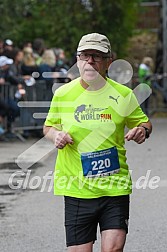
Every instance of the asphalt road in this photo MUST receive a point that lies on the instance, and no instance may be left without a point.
(31, 220)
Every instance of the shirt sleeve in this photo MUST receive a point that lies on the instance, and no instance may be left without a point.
(53, 118)
(137, 116)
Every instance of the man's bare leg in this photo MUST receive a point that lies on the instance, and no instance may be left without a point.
(113, 240)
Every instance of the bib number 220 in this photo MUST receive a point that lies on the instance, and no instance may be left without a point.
(101, 164)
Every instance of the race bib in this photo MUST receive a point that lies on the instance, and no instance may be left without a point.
(100, 163)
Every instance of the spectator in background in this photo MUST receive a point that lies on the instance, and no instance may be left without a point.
(4, 109)
(8, 107)
(145, 72)
(61, 60)
(4, 65)
(47, 64)
(16, 78)
(38, 49)
(28, 65)
(8, 48)
(15, 73)
(8, 44)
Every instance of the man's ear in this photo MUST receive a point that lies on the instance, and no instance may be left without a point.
(77, 57)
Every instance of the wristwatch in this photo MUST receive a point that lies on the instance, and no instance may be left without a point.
(147, 132)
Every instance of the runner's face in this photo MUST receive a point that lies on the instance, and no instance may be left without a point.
(91, 70)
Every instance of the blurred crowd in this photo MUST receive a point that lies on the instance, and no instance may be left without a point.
(21, 67)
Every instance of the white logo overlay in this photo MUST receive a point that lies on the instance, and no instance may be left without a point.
(120, 71)
(25, 180)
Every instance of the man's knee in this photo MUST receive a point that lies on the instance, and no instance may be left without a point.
(113, 240)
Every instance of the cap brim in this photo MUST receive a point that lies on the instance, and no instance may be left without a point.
(93, 47)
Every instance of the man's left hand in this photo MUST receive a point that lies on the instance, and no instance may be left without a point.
(137, 134)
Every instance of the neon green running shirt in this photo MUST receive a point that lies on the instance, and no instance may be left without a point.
(95, 165)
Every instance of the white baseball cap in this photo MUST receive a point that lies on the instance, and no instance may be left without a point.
(5, 61)
(9, 42)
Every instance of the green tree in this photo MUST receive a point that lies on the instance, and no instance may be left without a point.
(116, 19)
(61, 23)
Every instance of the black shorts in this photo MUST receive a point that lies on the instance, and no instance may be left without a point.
(82, 217)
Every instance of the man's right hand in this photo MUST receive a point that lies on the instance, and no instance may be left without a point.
(58, 137)
(62, 138)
